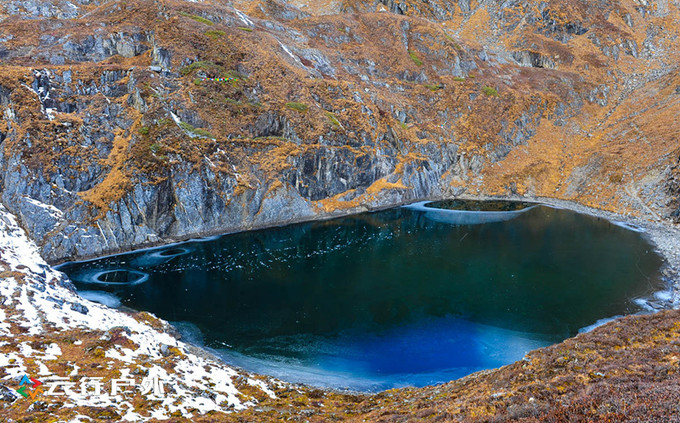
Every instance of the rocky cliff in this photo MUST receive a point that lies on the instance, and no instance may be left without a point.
(132, 123)
(127, 123)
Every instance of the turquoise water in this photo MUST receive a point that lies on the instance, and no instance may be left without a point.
(385, 299)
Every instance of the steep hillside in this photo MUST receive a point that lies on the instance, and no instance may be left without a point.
(74, 349)
(129, 123)
(117, 131)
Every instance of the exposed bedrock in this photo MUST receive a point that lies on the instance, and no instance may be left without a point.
(130, 124)
(192, 201)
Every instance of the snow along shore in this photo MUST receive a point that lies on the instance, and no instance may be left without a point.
(49, 332)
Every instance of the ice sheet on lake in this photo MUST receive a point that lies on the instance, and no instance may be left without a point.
(465, 217)
(100, 297)
(434, 351)
(598, 324)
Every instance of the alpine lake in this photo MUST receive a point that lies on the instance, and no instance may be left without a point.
(410, 296)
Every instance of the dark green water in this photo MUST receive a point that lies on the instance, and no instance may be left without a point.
(385, 299)
(474, 205)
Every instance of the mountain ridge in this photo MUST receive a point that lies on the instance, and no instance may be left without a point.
(126, 124)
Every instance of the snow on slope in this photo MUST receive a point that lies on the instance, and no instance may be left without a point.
(39, 307)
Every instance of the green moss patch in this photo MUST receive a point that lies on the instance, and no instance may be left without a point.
(415, 58)
(215, 34)
(298, 107)
(197, 18)
(490, 91)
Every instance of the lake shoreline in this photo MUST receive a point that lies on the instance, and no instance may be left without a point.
(640, 227)
(662, 234)
(484, 387)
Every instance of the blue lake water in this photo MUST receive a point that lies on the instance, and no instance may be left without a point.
(408, 296)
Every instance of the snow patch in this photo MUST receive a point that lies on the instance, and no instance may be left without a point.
(4, 326)
(244, 18)
(30, 314)
(45, 302)
(13, 364)
(51, 113)
(260, 384)
(295, 58)
(42, 369)
(52, 350)
(628, 226)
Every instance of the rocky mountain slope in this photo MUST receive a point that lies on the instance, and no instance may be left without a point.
(129, 123)
(115, 132)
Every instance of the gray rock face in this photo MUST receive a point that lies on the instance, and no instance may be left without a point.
(7, 396)
(99, 47)
(536, 60)
(160, 57)
(197, 201)
(61, 9)
(96, 47)
(193, 203)
(673, 190)
(201, 200)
